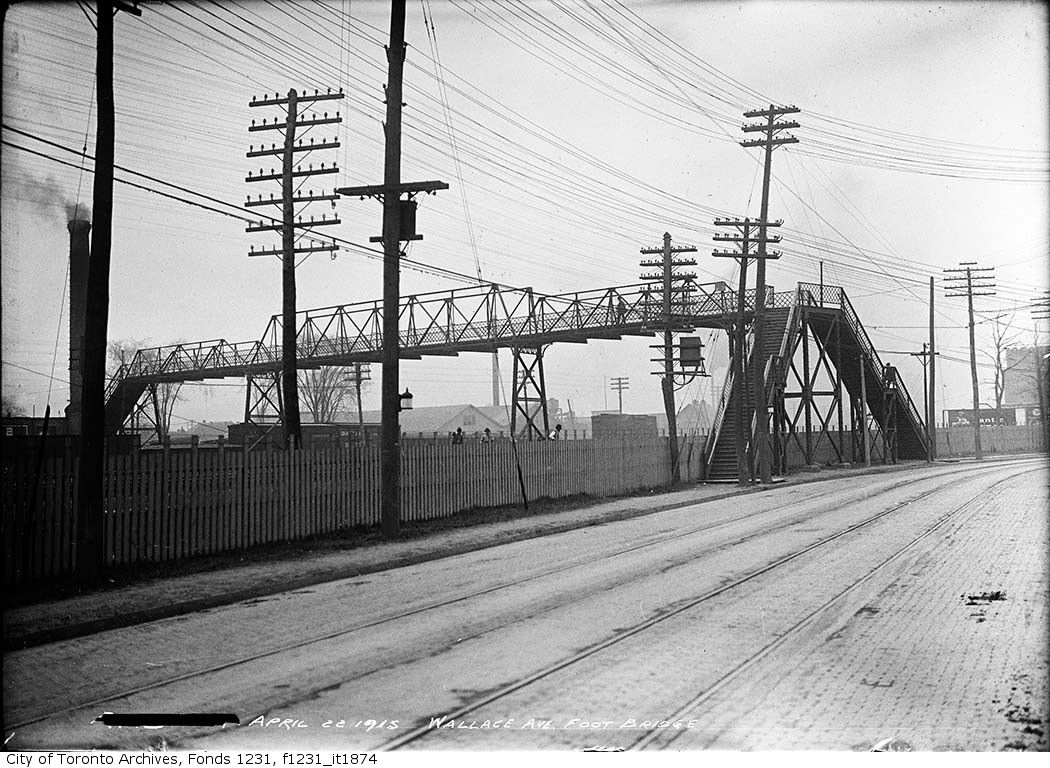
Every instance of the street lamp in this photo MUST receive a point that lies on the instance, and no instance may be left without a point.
(405, 401)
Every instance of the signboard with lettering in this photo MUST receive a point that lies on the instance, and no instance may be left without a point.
(990, 417)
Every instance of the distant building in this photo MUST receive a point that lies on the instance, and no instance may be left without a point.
(1020, 383)
(338, 435)
(621, 424)
(27, 426)
(444, 419)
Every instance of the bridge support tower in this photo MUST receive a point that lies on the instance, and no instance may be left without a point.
(529, 400)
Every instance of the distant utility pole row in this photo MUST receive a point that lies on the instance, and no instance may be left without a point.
(293, 152)
(618, 384)
(969, 281)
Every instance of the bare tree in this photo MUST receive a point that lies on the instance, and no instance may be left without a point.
(11, 407)
(1002, 338)
(326, 391)
(162, 395)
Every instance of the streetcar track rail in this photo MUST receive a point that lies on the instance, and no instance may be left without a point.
(65, 632)
(510, 584)
(421, 731)
(811, 618)
(247, 659)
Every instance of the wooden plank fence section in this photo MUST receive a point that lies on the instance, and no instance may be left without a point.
(168, 504)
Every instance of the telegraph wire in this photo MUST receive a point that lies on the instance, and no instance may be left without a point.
(356, 247)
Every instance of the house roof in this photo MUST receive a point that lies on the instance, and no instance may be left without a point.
(441, 418)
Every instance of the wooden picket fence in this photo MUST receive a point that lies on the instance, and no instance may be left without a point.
(167, 505)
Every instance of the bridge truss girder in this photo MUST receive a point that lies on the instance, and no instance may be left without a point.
(479, 319)
(263, 408)
(529, 398)
(811, 400)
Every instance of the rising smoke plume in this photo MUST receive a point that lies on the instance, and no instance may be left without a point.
(48, 199)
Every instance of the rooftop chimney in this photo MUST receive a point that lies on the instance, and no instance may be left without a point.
(79, 256)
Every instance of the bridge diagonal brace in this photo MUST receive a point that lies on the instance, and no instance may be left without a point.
(143, 411)
(529, 399)
(824, 363)
(263, 407)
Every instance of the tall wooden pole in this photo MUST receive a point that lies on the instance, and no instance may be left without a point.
(973, 371)
(743, 470)
(1040, 364)
(89, 549)
(770, 140)
(667, 381)
(762, 461)
(390, 448)
(965, 276)
(289, 369)
(931, 423)
(864, 410)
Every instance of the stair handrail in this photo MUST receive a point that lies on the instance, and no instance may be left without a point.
(114, 381)
(773, 361)
(723, 405)
(880, 368)
(790, 327)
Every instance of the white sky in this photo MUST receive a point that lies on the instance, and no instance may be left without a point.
(585, 129)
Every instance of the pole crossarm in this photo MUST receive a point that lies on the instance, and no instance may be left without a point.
(280, 126)
(294, 175)
(295, 251)
(737, 254)
(310, 197)
(266, 101)
(751, 128)
(323, 221)
(769, 142)
(381, 190)
(300, 147)
(773, 111)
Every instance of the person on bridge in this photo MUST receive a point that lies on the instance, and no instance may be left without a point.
(487, 437)
(621, 310)
(457, 436)
(555, 433)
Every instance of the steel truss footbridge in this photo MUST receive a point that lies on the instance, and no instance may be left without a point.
(484, 319)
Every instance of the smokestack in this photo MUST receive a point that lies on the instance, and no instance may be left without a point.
(79, 257)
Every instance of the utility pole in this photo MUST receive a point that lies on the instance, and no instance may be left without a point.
(963, 284)
(90, 548)
(668, 277)
(618, 385)
(399, 219)
(769, 141)
(931, 425)
(362, 372)
(495, 377)
(1040, 309)
(926, 357)
(745, 237)
(1044, 422)
(820, 299)
(864, 409)
(292, 178)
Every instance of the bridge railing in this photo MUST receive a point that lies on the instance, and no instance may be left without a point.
(489, 314)
(835, 296)
(723, 406)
